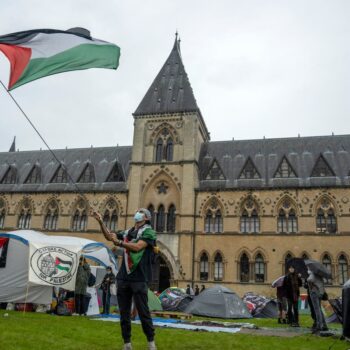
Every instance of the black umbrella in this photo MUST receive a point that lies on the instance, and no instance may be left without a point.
(299, 266)
(318, 269)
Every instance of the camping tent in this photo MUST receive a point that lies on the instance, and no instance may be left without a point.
(218, 301)
(174, 299)
(154, 303)
(260, 306)
(34, 263)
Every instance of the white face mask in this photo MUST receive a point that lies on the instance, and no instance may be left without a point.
(139, 217)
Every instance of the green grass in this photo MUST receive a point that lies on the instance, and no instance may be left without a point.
(21, 331)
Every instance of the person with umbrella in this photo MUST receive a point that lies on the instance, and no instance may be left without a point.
(292, 283)
(317, 292)
(281, 299)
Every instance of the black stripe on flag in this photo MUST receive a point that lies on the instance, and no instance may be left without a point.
(64, 262)
(23, 37)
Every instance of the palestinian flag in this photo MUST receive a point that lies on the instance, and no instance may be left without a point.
(34, 54)
(63, 265)
(132, 259)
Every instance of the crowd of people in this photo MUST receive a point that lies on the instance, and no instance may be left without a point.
(135, 272)
(288, 293)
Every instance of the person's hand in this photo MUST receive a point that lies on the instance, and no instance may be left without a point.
(113, 238)
(96, 215)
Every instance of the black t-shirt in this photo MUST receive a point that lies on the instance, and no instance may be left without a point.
(143, 271)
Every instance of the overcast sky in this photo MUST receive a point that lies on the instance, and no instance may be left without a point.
(257, 67)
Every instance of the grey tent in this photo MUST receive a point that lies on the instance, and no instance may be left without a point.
(218, 301)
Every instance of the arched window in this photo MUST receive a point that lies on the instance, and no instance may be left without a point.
(244, 268)
(171, 218)
(259, 268)
(151, 210)
(343, 269)
(287, 221)
(327, 263)
(282, 222)
(114, 221)
(254, 222)
(83, 221)
(24, 219)
(169, 149)
(76, 219)
(250, 222)
(326, 220)
(331, 222)
(50, 221)
(110, 215)
(208, 222)
(245, 222)
(79, 221)
(292, 222)
(218, 222)
(204, 267)
(218, 267)
(159, 150)
(110, 219)
(305, 256)
(51, 216)
(160, 219)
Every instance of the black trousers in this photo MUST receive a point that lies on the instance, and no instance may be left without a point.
(293, 312)
(80, 304)
(125, 293)
(312, 310)
(106, 301)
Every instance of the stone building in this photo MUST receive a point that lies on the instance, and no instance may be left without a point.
(229, 212)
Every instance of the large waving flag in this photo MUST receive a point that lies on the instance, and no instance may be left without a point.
(34, 54)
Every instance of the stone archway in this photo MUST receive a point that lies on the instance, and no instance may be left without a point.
(161, 274)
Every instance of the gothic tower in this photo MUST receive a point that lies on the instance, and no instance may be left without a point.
(168, 133)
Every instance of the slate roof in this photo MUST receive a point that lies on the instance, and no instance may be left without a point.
(170, 91)
(102, 158)
(266, 154)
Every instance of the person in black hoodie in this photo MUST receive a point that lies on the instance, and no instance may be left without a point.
(107, 281)
(292, 283)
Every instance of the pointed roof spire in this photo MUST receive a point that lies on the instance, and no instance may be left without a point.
(171, 91)
(13, 145)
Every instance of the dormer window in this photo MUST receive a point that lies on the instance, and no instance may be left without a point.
(11, 176)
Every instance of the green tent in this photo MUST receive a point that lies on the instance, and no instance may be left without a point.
(154, 303)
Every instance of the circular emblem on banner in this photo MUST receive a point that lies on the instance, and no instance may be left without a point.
(54, 265)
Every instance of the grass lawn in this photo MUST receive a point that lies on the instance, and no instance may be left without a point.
(21, 331)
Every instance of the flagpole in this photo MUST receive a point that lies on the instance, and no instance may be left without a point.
(48, 147)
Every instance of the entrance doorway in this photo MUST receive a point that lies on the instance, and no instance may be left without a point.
(161, 275)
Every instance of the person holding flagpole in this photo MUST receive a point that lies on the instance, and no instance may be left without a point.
(134, 274)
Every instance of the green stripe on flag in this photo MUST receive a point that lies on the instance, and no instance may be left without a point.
(81, 57)
(62, 268)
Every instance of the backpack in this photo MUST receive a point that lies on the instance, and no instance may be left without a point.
(91, 280)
